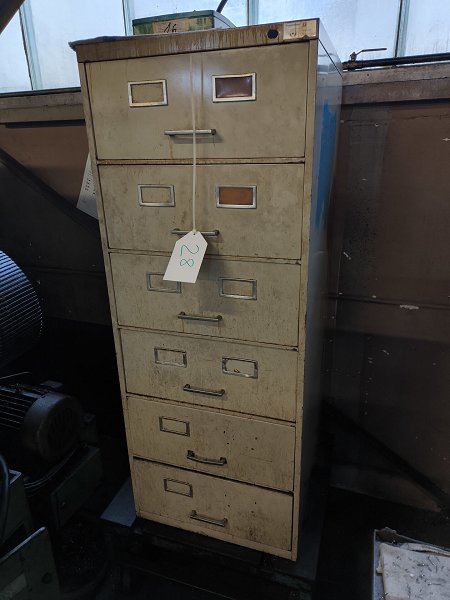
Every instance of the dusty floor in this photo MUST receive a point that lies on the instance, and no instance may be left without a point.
(344, 570)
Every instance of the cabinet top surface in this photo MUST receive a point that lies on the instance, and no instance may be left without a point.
(114, 48)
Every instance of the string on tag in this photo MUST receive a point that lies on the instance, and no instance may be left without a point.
(194, 146)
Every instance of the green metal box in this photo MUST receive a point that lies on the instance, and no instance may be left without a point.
(179, 22)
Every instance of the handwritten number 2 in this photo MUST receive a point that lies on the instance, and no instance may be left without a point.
(188, 249)
(190, 261)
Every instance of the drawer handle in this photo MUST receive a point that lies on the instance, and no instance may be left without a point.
(213, 233)
(173, 132)
(219, 462)
(185, 317)
(192, 390)
(205, 519)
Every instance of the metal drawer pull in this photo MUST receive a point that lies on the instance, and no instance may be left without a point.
(205, 519)
(213, 233)
(219, 462)
(185, 317)
(173, 132)
(188, 388)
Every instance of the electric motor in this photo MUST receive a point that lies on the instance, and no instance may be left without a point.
(42, 421)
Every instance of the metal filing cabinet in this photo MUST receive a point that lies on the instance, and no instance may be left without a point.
(220, 411)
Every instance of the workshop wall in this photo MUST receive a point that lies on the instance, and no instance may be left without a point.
(389, 285)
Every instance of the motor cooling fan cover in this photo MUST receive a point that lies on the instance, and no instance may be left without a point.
(20, 312)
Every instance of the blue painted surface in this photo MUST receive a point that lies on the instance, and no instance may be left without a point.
(327, 147)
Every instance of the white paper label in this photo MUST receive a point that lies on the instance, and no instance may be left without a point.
(296, 30)
(187, 258)
(13, 589)
(86, 199)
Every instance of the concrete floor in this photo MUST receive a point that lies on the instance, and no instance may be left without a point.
(345, 562)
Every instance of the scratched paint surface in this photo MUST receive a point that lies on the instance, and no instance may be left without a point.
(390, 279)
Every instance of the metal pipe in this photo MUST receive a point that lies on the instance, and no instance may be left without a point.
(402, 27)
(4, 497)
(352, 65)
(8, 9)
(221, 6)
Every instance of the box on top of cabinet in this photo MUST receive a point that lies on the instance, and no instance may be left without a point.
(179, 22)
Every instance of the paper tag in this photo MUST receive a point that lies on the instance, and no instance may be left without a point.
(86, 199)
(187, 258)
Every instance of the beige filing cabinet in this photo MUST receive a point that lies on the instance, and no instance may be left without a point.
(220, 379)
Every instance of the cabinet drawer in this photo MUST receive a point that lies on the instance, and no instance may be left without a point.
(253, 100)
(239, 448)
(231, 511)
(235, 299)
(257, 209)
(255, 380)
